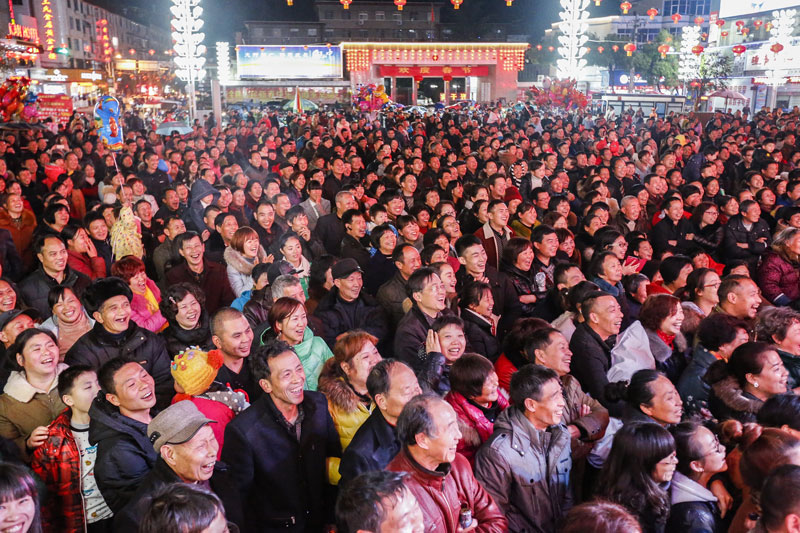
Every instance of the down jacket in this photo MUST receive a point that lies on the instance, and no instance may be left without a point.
(473, 424)
(638, 348)
(736, 233)
(240, 269)
(527, 472)
(729, 401)
(779, 279)
(124, 453)
(339, 316)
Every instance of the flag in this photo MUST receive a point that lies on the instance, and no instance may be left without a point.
(297, 106)
(433, 15)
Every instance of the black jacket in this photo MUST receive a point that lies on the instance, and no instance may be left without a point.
(506, 299)
(591, 359)
(178, 339)
(96, 347)
(736, 233)
(410, 338)
(338, 316)
(694, 517)
(373, 446)
(666, 230)
(479, 336)
(352, 248)
(124, 453)
(10, 257)
(127, 521)
(213, 281)
(282, 481)
(37, 285)
(330, 231)
(693, 389)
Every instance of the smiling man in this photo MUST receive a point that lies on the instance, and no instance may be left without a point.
(53, 270)
(108, 301)
(278, 449)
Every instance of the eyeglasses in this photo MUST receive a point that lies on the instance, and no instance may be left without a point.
(718, 447)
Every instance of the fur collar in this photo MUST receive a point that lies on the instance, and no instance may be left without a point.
(238, 261)
(660, 350)
(731, 394)
(337, 391)
(18, 388)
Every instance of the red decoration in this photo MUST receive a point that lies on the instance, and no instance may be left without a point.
(697, 50)
(720, 23)
(456, 3)
(629, 48)
(724, 33)
(663, 49)
(757, 23)
(740, 24)
(625, 7)
(699, 20)
(550, 48)
(539, 47)
(776, 48)
(615, 48)
(600, 49)
(676, 18)
(399, 4)
(346, 3)
(508, 3)
(745, 31)
(560, 93)
(652, 12)
(739, 49)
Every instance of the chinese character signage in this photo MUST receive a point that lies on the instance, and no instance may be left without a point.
(55, 106)
(277, 62)
(49, 32)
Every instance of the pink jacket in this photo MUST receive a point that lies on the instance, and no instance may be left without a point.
(141, 314)
(474, 426)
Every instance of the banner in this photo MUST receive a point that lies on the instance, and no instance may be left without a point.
(56, 106)
(282, 62)
(434, 72)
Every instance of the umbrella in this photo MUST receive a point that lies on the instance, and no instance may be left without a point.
(21, 126)
(305, 105)
(727, 94)
(166, 128)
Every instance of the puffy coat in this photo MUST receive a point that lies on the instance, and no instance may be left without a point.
(213, 281)
(97, 347)
(792, 365)
(527, 472)
(347, 410)
(282, 481)
(475, 427)
(124, 453)
(141, 314)
(24, 408)
(693, 389)
(338, 316)
(638, 348)
(37, 285)
(312, 351)
(353, 248)
(440, 495)
(178, 339)
(736, 233)
(779, 279)
(666, 231)
(21, 232)
(410, 338)
(480, 338)
(523, 285)
(373, 446)
(729, 401)
(256, 308)
(694, 509)
(92, 267)
(240, 269)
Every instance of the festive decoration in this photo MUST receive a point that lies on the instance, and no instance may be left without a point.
(697, 50)
(538, 46)
(720, 23)
(652, 12)
(223, 62)
(776, 48)
(615, 48)
(189, 50)
(782, 29)
(457, 4)
(625, 7)
(601, 49)
(573, 38)
(106, 119)
(739, 25)
(689, 65)
(699, 20)
(16, 101)
(597, 3)
(739, 49)
(745, 31)
(289, 2)
(724, 33)
(373, 97)
(629, 48)
(399, 4)
(105, 51)
(757, 23)
(663, 50)
(559, 93)
(346, 3)
(676, 18)
(704, 36)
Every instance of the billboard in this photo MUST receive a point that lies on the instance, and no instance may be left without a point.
(741, 8)
(280, 62)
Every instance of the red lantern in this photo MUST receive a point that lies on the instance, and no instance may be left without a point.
(699, 20)
(676, 18)
(745, 31)
(132, 51)
(704, 36)
(151, 52)
(399, 4)
(600, 49)
(720, 23)
(615, 48)
(739, 24)
(629, 48)
(697, 50)
(456, 3)
(663, 49)
(346, 3)
(625, 7)
(289, 2)
(695, 84)
(418, 78)
(776, 48)
(757, 23)
(550, 49)
(739, 49)
(652, 12)
(539, 47)
(724, 33)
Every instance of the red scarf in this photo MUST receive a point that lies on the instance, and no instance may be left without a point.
(666, 338)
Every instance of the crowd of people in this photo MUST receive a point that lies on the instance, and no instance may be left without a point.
(542, 321)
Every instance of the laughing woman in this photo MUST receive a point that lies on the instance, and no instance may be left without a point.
(242, 256)
(30, 399)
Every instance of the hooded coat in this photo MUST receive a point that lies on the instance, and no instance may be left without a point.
(193, 216)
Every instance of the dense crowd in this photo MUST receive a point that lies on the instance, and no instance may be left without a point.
(538, 321)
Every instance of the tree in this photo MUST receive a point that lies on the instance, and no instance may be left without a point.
(650, 65)
(715, 69)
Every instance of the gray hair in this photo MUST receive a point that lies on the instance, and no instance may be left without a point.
(626, 200)
(282, 283)
(783, 237)
(416, 418)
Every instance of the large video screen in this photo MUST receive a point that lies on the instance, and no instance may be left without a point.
(279, 62)
(741, 8)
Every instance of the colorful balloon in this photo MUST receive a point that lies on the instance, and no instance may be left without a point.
(106, 118)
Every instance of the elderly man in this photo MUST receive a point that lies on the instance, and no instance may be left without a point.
(187, 453)
(378, 502)
(428, 431)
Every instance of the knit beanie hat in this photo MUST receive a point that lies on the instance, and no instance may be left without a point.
(194, 370)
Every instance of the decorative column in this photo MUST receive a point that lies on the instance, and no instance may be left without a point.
(573, 38)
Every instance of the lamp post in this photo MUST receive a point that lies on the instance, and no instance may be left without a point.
(574, 14)
(189, 50)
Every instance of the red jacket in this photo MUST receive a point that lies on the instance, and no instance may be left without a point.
(474, 426)
(778, 276)
(58, 463)
(94, 267)
(441, 493)
(504, 369)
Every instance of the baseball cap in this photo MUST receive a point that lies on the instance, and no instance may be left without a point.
(280, 268)
(176, 424)
(344, 268)
(8, 316)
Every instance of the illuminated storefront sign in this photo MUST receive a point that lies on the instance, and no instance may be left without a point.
(26, 33)
(49, 33)
(277, 62)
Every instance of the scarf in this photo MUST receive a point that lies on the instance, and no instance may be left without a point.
(668, 339)
(68, 334)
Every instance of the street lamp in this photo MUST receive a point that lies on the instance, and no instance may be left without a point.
(189, 50)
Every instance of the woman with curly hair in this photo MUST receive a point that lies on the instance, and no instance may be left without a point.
(183, 305)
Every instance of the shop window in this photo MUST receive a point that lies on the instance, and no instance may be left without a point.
(363, 34)
(312, 32)
(276, 32)
(363, 16)
(397, 17)
(328, 14)
(380, 15)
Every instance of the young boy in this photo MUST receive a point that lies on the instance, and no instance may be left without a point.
(66, 460)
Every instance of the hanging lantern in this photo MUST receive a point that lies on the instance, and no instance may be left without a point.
(676, 18)
(346, 3)
(550, 49)
(289, 2)
(600, 49)
(697, 49)
(663, 49)
(704, 36)
(724, 33)
(699, 20)
(597, 3)
(508, 3)
(720, 23)
(456, 3)
(652, 12)
(629, 48)
(740, 24)
(745, 31)
(625, 7)
(399, 4)
(151, 52)
(739, 49)
(132, 51)
(615, 48)
(757, 23)
(418, 78)
(776, 48)
(539, 47)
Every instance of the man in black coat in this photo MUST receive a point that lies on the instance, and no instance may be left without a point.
(278, 449)
(52, 271)
(346, 307)
(355, 226)
(211, 277)
(592, 342)
(330, 228)
(673, 233)
(114, 335)
(746, 235)
(390, 384)
(427, 293)
(155, 179)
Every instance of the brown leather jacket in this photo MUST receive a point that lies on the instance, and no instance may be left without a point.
(441, 493)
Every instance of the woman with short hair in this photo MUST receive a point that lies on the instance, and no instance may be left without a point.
(145, 310)
(244, 253)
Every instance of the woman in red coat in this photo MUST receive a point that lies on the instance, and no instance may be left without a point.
(779, 271)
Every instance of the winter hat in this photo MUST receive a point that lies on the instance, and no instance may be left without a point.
(100, 290)
(194, 370)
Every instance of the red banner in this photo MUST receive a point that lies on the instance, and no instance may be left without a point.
(57, 106)
(434, 72)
